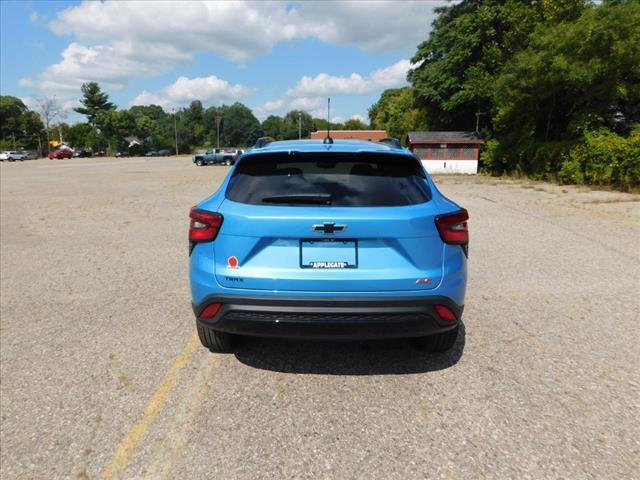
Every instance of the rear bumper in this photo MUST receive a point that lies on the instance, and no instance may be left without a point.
(328, 318)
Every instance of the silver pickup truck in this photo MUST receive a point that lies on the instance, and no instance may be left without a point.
(217, 155)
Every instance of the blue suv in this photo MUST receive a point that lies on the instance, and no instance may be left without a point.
(328, 240)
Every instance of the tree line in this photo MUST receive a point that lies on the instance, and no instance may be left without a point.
(150, 127)
(553, 86)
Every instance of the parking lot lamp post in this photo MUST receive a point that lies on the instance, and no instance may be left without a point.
(46, 131)
(175, 128)
(299, 125)
(218, 120)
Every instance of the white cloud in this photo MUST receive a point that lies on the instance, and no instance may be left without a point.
(305, 103)
(357, 116)
(112, 66)
(273, 105)
(209, 90)
(392, 76)
(236, 30)
(324, 84)
(240, 30)
(117, 41)
(370, 25)
(26, 82)
(268, 108)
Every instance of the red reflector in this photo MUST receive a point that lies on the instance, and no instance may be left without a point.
(453, 228)
(211, 310)
(445, 313)
(204, 225)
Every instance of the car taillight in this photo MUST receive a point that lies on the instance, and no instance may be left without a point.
(204, 225)
(453, 228)
(444, 312)
(211, 310)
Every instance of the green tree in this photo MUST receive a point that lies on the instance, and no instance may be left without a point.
(396, 113)
(273, 126)
(190, 126)
(290, 125)
(457, 66)
(240, 128)
(574, 77)
(355, 124)
(94, 101)
(19, 126)
(80, 136)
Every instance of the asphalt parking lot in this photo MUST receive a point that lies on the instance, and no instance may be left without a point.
(102, 375)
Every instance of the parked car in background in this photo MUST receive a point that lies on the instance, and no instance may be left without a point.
(152, 153)
(13, 155)
(347, 240)
(82, 153)
(122, 153)
(58, 154)
(32, 154)
(164, 153)
(217, 155)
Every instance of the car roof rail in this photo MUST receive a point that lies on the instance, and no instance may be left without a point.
(392, 142)
(263, 141)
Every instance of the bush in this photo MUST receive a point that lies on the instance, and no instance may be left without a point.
(604, 158)
(492, 158)
(536, 159)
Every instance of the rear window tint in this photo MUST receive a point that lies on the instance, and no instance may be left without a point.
(346, 180)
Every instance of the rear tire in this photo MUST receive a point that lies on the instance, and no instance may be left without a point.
(199, 163)
(216, 342)
(440, 342)
(227, 162)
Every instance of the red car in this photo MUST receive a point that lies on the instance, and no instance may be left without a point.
(56, 154)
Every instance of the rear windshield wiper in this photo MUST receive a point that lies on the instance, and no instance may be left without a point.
(301, 198)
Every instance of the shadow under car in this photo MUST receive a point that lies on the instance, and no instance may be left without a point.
(374, 357)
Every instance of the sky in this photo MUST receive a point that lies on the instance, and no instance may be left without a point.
(271, 56)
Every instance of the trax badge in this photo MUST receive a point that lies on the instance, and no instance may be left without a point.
(232, 262)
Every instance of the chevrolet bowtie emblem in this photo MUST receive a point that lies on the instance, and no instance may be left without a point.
(329, 227)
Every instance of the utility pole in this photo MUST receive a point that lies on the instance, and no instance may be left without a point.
(218, 120)
(175, 129)
(39, 145)
(14, 140)
(299, 125)
(478, 114)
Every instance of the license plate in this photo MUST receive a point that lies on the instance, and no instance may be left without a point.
(329, 254)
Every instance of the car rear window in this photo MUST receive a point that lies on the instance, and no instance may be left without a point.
(344, 180)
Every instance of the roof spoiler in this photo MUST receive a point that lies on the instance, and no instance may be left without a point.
(264, 141)
(392, 142)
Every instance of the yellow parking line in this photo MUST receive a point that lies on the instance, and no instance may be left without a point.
(130, 443)
(176, 436)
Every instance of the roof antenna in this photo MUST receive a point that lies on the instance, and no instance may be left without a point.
(328, 138)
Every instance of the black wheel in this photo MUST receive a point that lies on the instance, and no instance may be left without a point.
(440, 342)
(216, 342)
(199, 162)
(227, 162)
